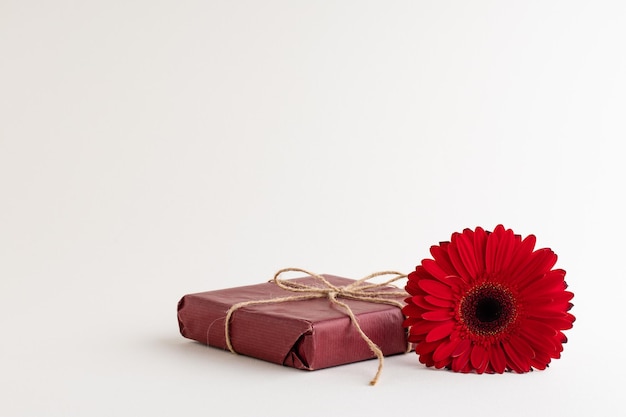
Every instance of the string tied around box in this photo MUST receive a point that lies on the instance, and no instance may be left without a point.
(360, 289)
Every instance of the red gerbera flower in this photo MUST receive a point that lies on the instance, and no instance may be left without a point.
(488, 302)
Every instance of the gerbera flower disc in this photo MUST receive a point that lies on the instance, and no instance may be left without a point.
(488, 302)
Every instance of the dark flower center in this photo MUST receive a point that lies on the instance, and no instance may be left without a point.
(487, 309)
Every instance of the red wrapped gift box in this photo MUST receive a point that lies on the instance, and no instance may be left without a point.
(306, 334)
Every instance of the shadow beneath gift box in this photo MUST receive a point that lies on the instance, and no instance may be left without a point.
(196, 354)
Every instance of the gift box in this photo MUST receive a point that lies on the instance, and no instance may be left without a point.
(306, 334)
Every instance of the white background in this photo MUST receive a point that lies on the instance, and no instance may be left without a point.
(150, 149)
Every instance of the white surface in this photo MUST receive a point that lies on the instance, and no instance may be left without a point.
(152, 149)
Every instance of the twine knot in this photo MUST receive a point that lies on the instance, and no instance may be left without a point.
(357, 290)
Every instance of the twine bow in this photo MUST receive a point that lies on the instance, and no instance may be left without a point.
(357, 290)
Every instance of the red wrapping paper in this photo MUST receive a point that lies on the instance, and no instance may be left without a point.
(306, 334)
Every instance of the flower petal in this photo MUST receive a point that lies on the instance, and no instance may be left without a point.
(564, 322)
(459, 362)
(551, 282)
(521, 346)
(540, 344)
(440, 254)
(442, 330)
(540, 262)
(497, 358)
(436, 301)
(538, 328)
(480, 245)
(424, 347)
(455, 258)
(434, 269)
(504, 252)
(516, 360)
(445, 349)
(522, 252)
(412, 310)
(463, 346)
(437, 315)
(491, 253)
(540, 361)
(424, 327)
(420, 301)
(466, 252)
(478, 357)
(436, 288)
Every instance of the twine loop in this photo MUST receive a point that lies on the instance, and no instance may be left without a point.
(361, 290)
